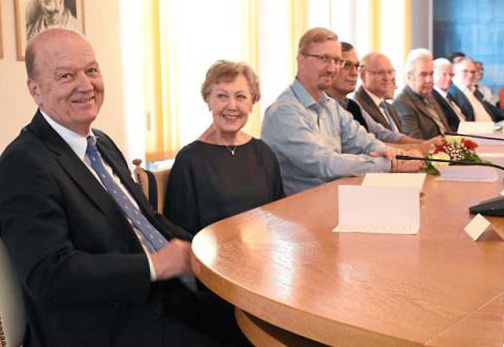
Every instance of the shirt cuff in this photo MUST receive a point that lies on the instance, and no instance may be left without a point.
(151, 268)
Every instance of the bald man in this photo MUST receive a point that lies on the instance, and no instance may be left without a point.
(98, 267)
(377, 75)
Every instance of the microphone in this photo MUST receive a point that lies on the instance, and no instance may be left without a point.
(474, 136)
(454, 162)
(491, 207)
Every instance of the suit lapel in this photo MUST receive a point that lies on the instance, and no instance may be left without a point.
(80, 174)
(461, 100)
(372, 109)
(420, 105)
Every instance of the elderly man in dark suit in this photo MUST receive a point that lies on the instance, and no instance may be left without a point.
(97, 265)
(443, 73)
(467, 97)
(377, 75)
(421, 116)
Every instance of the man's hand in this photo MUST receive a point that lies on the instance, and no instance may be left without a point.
(426, 145)
(172, 260)
(401, 165)
(409, 165)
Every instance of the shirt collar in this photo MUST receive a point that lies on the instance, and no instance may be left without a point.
(304, 97)
(343, 102)
(440, 91)
(377, 100)
(462, 87)
(77, 143)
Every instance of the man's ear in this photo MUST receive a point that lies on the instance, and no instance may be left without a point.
(34, 89)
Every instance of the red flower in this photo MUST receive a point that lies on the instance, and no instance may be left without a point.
(469, 143)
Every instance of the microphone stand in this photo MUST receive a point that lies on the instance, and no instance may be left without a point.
(454, 162)
(491, 207)
(475, 136)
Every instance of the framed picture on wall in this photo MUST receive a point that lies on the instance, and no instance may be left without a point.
(34, 16)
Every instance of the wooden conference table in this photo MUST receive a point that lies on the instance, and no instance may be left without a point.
(296, 283)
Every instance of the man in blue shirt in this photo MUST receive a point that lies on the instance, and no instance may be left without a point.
(315, 139)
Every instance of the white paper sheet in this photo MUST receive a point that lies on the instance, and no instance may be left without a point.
(476, 128)
(383, 210)
(415, 180)
(468, 173)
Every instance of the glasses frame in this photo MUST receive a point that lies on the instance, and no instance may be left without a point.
(326, 59)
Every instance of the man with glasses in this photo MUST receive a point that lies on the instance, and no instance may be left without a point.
(376, 74)
(463, 94)
(421, 116)
(345, 82)
(485, 91)
(314, 139)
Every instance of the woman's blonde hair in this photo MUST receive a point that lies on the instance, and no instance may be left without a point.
(224, 70)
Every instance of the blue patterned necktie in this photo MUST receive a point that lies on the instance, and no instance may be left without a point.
(152, 238)
(393, 125)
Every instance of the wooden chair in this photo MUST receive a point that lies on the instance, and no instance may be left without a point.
(12, 314)
(153, 184)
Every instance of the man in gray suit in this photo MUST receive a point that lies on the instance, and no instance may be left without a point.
(421, 116)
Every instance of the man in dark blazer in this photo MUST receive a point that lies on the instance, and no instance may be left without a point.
(376, 74)
(443, 72)
(463, 93)
(87, 280)
(420, 115)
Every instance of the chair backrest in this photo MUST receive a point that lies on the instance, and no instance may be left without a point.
(12, 314)
(153, 184)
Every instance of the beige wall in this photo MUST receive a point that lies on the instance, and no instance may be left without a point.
(102, 22)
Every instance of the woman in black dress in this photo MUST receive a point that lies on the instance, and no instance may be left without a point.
(226, 171)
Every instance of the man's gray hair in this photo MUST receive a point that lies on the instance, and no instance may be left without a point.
(416, 55)
(441, 62)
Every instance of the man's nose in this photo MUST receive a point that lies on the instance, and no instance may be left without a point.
(84, 82)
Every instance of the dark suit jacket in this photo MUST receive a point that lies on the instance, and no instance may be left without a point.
(449, 113)
(85, 277)
(465, 105)
(415, 117)
(363, 98)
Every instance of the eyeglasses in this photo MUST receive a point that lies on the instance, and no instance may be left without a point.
(348, 65)
(327, 59)
(382, 73)
(472, 72)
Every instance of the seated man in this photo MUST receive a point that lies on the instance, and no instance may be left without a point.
(314, 139)
(97, 265)
(462, 92)
(421, 116)
(344, 83)
(376, 74)
(442, 82)
(486, 92)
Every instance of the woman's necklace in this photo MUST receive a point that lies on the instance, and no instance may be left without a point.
(232, 151)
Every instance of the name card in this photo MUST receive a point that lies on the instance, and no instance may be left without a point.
(414, 180)
(468, 173)
(477, 227)
(476, 128)
(378, 209)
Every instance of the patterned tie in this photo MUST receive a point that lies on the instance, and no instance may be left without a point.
(393, 125)
(151, 237)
